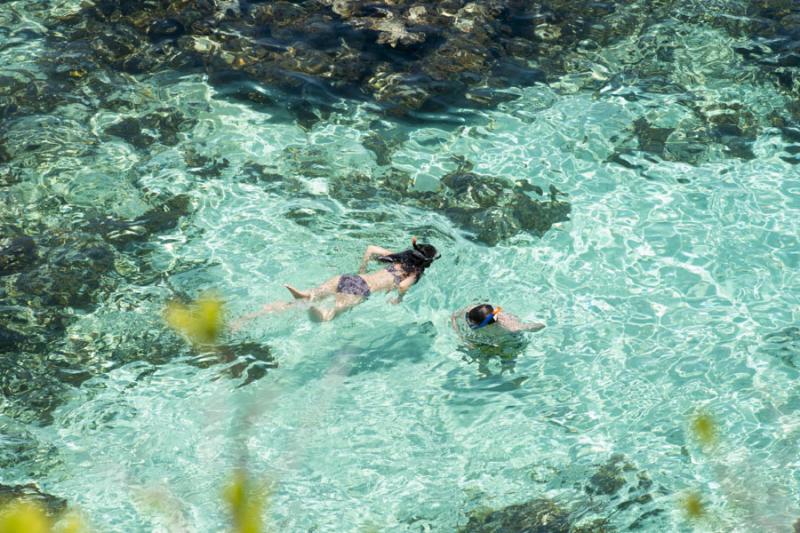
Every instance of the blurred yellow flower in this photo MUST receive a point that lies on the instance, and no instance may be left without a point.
(704, 429)
(693, 506)
(200, 321)
(24, 517)
(246, 503)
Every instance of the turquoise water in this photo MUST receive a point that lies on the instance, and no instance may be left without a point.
(672, 287)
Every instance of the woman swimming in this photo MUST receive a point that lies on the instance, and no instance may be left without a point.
(404, 270)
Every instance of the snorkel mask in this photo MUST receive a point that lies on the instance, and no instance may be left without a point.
(489, 317)
(420, 255)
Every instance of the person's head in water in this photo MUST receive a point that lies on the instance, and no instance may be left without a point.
(415, 260)
(482, 315)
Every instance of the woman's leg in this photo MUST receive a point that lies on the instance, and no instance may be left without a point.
(326, 289)
(273, 307)
(343, 303)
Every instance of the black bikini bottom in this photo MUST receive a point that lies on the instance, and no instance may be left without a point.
(352, 284)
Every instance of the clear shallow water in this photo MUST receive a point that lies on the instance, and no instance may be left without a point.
(659, 295)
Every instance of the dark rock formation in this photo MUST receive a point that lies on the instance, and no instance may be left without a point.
(773, 27)
(489, 209)
(9, 339)
(69, 276)
(162, 218)
(24, 453)
(16, 254)
(535, 516)
(406, 55)
(162, 125)
(620, 485)
(44, 278)
(616, 489)
(539, 515)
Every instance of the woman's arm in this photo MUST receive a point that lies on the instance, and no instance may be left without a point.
(403, 287)
(371, 252)
(512, 323)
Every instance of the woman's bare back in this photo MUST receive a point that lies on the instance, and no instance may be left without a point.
(383, 280)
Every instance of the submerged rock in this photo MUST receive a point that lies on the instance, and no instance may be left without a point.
(489, 209)
(773, 29)
(165, 29)
(8, 177)
(718, 130)
(609, 479)
(626, 489)
(404, 54)
(162, 125)
(17, 254)
(205, 166)
(45, 281)
(9, 339)
(162, 218)
(616, 491)
(5, 157)
(129, 130)
(651, 138)
(70, 274)
(535, 516)
(30, 386)
(21, 451)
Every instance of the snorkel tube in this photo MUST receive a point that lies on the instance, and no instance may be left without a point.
(496, 311)
(419, 253)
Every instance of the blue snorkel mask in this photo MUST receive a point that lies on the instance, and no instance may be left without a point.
(489, 317)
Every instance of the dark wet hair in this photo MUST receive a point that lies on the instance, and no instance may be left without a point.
(413, 261)
(478, 314)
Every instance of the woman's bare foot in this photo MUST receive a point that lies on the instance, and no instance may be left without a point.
(298, 294)
(318, 315)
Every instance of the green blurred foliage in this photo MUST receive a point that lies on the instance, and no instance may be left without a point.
(693, 506)
(202, 321)
(705, 429)
(21, 516)
(246, 501)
